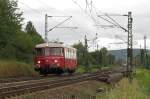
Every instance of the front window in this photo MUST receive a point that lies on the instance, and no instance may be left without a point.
(49, 51)
(39, 51)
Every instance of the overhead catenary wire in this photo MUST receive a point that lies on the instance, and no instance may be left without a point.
(90, 10)
(116, 22)
(41, 2)
(87, 6)
(108, 21)
(60, 23)
(89, 15)
(34, 10)
(37, 11)
(45, 4)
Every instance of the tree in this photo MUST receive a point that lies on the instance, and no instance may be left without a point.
(80, 52)
(10, 25)
(24, 47)
(30, 30)
(16, 44)
(104, 59)
(111, 59)
(98, 57)
(10, 18)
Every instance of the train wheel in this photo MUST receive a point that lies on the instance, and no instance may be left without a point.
(43, 72)
(59, 71)
(71, 71)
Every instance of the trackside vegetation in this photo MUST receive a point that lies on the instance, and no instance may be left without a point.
(143, 77)
(15, 69)
(139, 88)
(16, 44)
(93, 68)
(99, 58)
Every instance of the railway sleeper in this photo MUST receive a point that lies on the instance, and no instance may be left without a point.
(37, 87)
(21, 89)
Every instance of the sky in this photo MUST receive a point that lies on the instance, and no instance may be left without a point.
(86, 19)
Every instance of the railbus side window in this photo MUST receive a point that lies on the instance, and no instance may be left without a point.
(65, 50)
(73, 54)
(61, 51)
(68, 53)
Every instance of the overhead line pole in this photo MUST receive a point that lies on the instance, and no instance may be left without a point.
(130, 47)
(145, 53)
(129, 40)
(46, 28)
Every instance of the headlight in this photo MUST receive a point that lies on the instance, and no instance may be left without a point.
(39, 62)
(55, 61)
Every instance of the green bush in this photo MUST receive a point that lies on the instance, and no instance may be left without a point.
(86, 69)
(15, 69)
(81, 70)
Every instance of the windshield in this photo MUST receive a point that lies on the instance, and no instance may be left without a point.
(49, 51)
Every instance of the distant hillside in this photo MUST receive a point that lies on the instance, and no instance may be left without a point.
(121, 54)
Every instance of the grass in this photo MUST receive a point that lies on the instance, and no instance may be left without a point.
(139, 88)
(81, 70)
(143, 77)
(15, 69)
(85, 69)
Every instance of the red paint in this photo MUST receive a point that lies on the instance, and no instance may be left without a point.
(50, 61)
(71, 63)
(67, 60)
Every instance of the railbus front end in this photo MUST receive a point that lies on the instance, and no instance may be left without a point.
(55, 58)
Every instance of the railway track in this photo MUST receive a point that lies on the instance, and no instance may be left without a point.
(19, 79)
(38, 85)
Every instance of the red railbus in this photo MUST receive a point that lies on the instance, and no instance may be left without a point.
(55, 58)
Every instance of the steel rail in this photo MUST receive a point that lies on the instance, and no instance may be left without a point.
(37, 86)
(27, 87)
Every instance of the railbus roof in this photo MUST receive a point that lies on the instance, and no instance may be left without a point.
(50, 44)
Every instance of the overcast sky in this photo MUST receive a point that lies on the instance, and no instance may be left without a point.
(35, 10)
